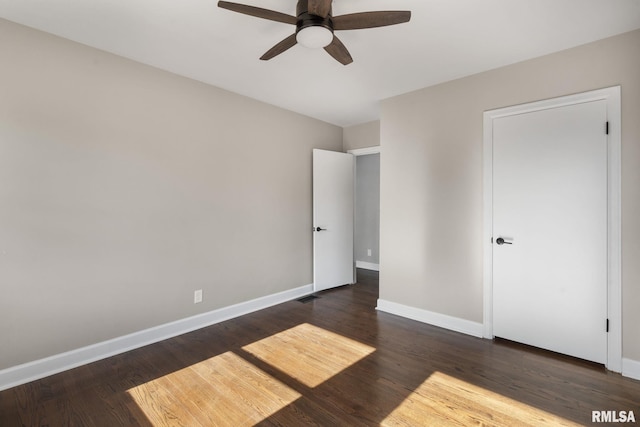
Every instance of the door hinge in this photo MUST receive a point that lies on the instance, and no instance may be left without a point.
(607, 325)
(607, 128)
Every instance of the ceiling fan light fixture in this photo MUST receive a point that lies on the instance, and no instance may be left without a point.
(315, 37)
(315, 24)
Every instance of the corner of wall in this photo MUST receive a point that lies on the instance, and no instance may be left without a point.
(631, 368)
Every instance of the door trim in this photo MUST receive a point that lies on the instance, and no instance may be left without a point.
(614, 208)
(365, 151)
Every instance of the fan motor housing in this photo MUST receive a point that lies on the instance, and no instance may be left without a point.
(303, 7)
(305, 19)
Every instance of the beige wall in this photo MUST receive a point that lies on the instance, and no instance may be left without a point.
(431, 182)
(124, 188)
(361, 136)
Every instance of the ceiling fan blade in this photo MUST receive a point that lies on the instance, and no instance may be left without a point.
(339, 52)
(258, 12)
(358, 21)
(284, 45)
(319, 7)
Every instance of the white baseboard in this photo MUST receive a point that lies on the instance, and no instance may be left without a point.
(436, 319)
(38, 369)
(631, 368)
(368, 265)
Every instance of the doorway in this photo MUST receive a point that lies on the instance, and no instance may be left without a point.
(367, 208)
(552, 228)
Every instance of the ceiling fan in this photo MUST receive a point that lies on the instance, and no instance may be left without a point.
(315, 25)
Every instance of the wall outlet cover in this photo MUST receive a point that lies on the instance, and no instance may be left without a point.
(197, 296)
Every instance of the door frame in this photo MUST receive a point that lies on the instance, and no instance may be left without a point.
(614, 209)
(356, 153)
(365, 151)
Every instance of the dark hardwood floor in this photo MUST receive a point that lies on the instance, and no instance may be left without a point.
(330, 361)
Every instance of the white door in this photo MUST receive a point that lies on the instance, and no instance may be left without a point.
(333, 200)
(550, 209)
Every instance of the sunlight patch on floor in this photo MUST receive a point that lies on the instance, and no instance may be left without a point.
(308, 353)
(445, 400)
(225, 390)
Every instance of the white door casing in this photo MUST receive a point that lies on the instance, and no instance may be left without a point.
(537, 180)
(333, 218)
(357, 152)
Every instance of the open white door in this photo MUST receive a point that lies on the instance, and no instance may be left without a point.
(333, 200)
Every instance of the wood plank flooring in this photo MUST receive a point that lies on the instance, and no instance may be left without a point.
(331, 361)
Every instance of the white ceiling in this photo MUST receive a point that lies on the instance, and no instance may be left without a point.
(446, 39)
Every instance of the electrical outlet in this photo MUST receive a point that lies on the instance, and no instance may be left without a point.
(368, 252)
(197, 296)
